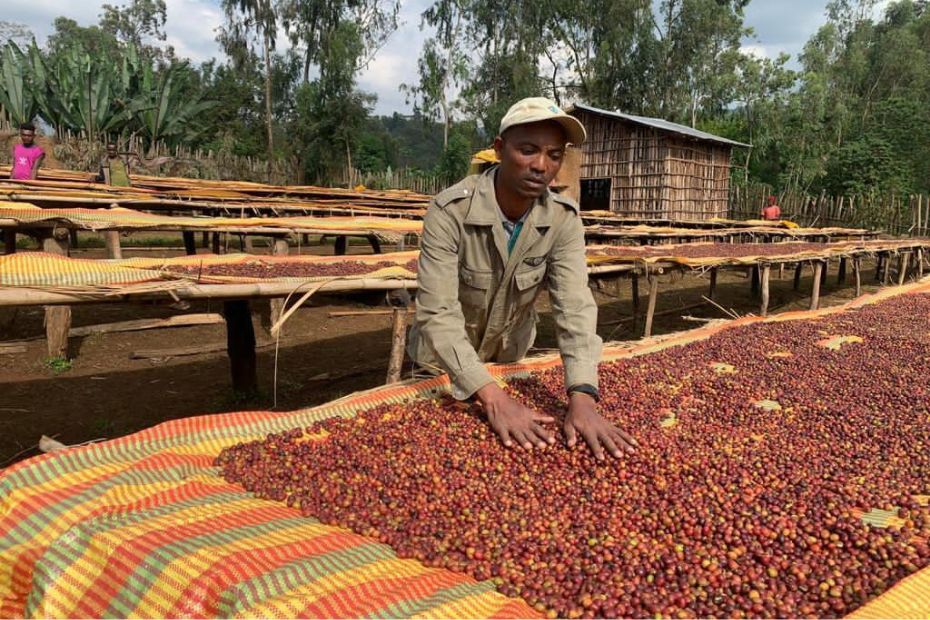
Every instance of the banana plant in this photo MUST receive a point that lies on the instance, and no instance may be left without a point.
(171, 116)
(17, 90)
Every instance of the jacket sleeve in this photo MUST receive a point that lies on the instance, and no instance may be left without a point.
(573, 306)
(439, 314)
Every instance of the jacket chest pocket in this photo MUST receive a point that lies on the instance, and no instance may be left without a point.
(528, 282)
(473, 289)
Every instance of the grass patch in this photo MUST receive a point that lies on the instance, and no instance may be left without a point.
(58, 364)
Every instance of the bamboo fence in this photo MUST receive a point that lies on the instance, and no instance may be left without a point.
(901, 214)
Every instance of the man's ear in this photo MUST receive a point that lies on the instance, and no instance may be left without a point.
(498, 147)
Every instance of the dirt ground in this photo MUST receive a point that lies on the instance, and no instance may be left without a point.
(106, 394)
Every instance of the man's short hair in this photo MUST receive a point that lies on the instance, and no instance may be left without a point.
(109, 144)
(27, 126)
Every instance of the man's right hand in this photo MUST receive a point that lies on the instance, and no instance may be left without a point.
(513, 421)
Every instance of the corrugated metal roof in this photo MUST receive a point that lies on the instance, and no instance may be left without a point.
(658, 123)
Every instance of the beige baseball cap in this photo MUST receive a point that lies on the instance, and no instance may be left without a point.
(536, 109)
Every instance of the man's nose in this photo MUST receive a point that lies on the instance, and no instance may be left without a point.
(538, 164)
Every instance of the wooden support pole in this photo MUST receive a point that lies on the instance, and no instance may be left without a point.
(215, 242)
(111, 239)
(240, 346)
(651, 308)
(902, 267)
(841, 276)
(797, 276)
(754, 286)
(9, 241)
(398, 341)
(342, 244)
(73, 235)
(280, 248)
(713, 283)
(886, 268)
(823, 275)
(204, 240)
(920, 260)
(375, 243)
(764, 310)
(57, 318)
(857, 270)
(815, 291)
(190, 247)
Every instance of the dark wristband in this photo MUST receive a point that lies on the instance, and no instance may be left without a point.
(585, 388)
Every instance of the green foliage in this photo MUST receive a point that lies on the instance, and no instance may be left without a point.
(57, 365)
(453, 164)
(17, 88)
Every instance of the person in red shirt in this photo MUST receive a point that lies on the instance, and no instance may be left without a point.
(28, 156)
(771, 211)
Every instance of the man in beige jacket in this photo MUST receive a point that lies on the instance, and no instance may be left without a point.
(490, 244)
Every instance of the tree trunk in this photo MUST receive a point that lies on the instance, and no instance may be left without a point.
(268, 115)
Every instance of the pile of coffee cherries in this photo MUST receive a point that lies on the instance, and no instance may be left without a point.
(288, 269)
(761, 449)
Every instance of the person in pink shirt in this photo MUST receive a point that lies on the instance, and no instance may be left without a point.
(771, 211)
(28, 156)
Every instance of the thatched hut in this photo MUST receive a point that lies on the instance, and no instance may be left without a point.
(652, 169)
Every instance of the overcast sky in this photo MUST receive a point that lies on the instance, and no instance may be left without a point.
(780, 25)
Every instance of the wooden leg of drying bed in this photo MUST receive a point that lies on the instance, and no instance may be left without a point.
(797, 276)
(280, 248)
(815, 291)
(240, 346)
(190, 246)
(9, 241)
(634, 296)
(204, 240)
(902, 267)
(713, 283)
(111, 238)
(764, 310)
(754, 286)
(342, 244)
(375, 243)
(651, 308)
(215, 242)
(841, 275)
(857, 270)
(398, 342)
(920, 263)
(886, 269)
(57, 318)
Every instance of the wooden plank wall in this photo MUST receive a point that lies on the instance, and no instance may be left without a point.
(656, 174)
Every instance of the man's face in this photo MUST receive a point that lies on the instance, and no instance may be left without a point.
(111, 151)
(530, 157)
(28, 136)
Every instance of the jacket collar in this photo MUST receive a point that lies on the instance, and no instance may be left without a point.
(484, 210)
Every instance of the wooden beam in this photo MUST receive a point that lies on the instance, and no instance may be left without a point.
(398, 342)
(57, 318)
(181, 320)
(16, 296)
(764, 310)
(215, 243)
(651, 308)
(815, 291)
(342, 243)
(841, 276)
(240, 346)
(111, 238)
(797, 275)
(920, 260)
(375, 243)
(886, 268)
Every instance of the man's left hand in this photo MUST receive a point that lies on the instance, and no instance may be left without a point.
(598, 433)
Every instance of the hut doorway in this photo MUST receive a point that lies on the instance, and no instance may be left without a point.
(595, 194)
